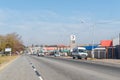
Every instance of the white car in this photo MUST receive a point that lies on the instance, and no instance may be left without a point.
(56, 55)
(40, 54)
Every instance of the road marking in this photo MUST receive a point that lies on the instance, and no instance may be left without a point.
(37, 73)
(33, 67)
(40, 78)
(35, 70)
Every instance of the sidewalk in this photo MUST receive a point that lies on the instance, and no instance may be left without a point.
(107, 62)
(113, 61)
(19, 69)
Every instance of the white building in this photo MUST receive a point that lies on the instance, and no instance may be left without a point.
(116, 41)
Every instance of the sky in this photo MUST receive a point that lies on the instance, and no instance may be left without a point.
(53, 21)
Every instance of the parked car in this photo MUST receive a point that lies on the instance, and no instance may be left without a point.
(56, 55)
(79, 53)
(40, 54)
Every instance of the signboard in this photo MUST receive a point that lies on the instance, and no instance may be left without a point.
(72, 37)
(8, 49)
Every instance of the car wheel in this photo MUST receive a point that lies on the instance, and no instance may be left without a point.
(86, 58)
(79, 57)
(73, 57)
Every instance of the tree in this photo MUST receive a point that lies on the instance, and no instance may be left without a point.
(2, 42)
(13, 41)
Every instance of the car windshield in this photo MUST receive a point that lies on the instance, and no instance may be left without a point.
(81, 50)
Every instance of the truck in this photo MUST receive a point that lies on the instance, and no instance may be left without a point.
(79, 53)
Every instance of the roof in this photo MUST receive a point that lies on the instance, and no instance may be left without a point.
(50, 48)
(106, 43)
(90, 47)
(79, 48)
(100, 48)
(61, 45)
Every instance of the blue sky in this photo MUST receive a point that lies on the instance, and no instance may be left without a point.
(53, 21)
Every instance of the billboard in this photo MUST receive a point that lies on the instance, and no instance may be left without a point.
(8, 49)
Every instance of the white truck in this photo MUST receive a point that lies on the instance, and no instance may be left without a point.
(79, 53)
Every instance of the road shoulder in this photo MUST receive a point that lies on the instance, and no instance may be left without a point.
(5, 64)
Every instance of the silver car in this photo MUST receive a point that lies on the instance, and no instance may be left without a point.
(40, 54)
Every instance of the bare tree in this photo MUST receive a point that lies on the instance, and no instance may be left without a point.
(13, 41)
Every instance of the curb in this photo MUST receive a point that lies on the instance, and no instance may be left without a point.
(95, 61)
(105, 63)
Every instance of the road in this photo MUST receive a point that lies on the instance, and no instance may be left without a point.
(29, 67)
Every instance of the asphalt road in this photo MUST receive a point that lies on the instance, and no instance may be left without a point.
(19, 69)
(64, 69)
(49, 68)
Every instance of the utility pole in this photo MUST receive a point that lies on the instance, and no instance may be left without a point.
(93, 42)
(119, 38)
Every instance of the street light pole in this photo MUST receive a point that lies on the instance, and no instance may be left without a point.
(93, 35)
(92, 53)
(119, 38)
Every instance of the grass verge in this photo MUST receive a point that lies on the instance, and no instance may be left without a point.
(6, 59)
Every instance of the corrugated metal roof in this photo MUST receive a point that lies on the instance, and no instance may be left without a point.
(106, 43)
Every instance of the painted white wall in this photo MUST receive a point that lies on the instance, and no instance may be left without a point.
(116, 41)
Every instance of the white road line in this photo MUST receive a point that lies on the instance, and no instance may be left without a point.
(34, 69)
(40, 78)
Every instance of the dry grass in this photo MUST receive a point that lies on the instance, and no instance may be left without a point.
(5, 59)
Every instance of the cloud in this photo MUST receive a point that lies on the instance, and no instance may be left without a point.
(49, 27)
